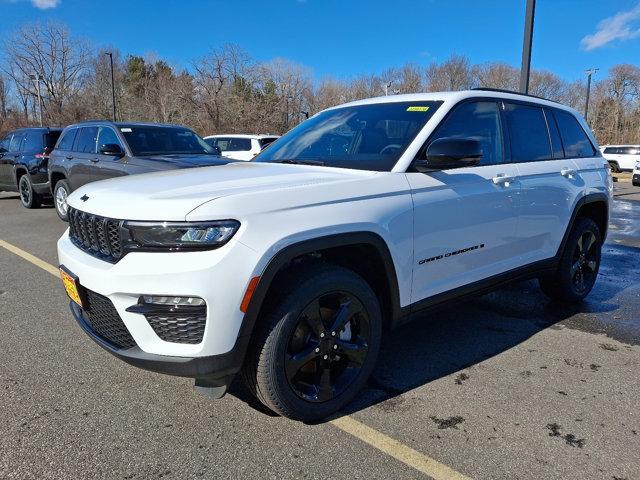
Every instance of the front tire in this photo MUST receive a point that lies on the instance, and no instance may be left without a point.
(317, 346)
(61, 191)
(579, 264)
(28, 197)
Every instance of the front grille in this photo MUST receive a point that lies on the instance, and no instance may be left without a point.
(103, 318)
(98, 236)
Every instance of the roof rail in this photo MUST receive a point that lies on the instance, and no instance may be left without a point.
(502, 90)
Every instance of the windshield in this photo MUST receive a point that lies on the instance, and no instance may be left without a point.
(363, 137)
(158, 140)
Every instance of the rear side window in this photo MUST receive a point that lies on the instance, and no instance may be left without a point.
(575, 140)
(50, 139)
(629, 150)
(33, 141)
(235, 144)
(66, 142)
(14, 145)
(86, 141)
(479, 121)
(528, 133)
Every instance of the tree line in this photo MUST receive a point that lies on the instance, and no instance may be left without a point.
(227, 91)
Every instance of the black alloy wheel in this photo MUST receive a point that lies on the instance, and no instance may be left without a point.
(584, 262)
(328, 347)
(28, 197)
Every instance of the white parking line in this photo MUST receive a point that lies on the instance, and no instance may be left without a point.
(385, 444)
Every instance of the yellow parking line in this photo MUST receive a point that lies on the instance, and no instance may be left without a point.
(397, 450)
(30, 258)
(368, 435)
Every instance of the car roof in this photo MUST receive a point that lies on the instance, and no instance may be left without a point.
(43, 129)
(625, 145)
(243, 135)
(124, 124)
(454, 97)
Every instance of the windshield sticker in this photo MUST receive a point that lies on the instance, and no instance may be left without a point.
(417, 108)
(126, 130)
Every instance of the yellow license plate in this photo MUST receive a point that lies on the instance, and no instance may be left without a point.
(70, 283)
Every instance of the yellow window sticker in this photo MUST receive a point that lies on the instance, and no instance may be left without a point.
(417, 109)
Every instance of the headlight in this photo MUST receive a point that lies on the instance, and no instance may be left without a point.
(180, 235)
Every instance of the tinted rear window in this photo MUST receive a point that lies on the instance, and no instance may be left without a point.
(51, 138)
(528, 133)
(66, 142)
(575, 140)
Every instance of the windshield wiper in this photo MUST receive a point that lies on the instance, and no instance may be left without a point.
(301, 162)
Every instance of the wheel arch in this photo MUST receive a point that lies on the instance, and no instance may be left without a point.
(594, 206)
(54, 178)
(328, 247)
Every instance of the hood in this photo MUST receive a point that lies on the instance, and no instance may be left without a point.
(171, 195)
(167, 162)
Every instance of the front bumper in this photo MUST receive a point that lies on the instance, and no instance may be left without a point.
(220, 367)
(219, 276)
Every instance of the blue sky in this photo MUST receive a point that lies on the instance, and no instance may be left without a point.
(344, 38)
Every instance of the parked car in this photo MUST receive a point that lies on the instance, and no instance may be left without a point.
(24, 158)
(291, 268)
(240, 147)
(622, 158)
(98, 150)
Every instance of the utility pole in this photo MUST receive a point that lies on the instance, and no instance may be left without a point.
(526, 46)
(589, 73)
(113, 86)
(387, 86)
(37, 79)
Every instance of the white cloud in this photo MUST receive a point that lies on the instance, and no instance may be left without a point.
(45, 4)
(622, 26)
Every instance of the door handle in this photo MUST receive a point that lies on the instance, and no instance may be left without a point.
(567, 172)
(502, 179)
(69, 157)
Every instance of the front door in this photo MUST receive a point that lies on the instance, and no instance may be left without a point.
(465, 219)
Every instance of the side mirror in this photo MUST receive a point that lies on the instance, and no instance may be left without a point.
(112, 149)
(446, 153)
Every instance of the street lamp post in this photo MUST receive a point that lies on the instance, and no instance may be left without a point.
(37, 79)
(526, 46)
(589, 72)
(113, 86)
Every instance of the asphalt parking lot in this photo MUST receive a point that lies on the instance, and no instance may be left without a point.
(509, 385)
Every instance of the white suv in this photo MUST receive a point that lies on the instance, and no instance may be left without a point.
(291, 268)
(240, 147)
(622, 158)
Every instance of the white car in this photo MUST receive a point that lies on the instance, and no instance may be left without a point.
(240, 147)
(622, 158)
(291, 268)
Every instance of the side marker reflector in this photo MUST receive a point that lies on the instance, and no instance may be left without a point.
(253, 283)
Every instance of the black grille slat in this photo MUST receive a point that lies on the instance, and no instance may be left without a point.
(105, 322)
(183, 329)
(96, 235)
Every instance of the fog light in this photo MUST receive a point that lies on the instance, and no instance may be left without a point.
(173, 301)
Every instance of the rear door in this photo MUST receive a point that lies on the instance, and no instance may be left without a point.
(465, 218)
(549, 179)
(10, 158)
(83, 169)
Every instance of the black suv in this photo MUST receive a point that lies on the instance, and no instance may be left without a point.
(24, 155)
(97, 150)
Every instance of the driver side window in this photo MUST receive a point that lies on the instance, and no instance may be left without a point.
(478, 121)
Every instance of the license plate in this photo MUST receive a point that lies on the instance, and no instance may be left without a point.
(71, 285)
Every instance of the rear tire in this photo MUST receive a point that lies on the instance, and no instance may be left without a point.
(28, 197)
(61, 191)
(316, 347)
(579, 264)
